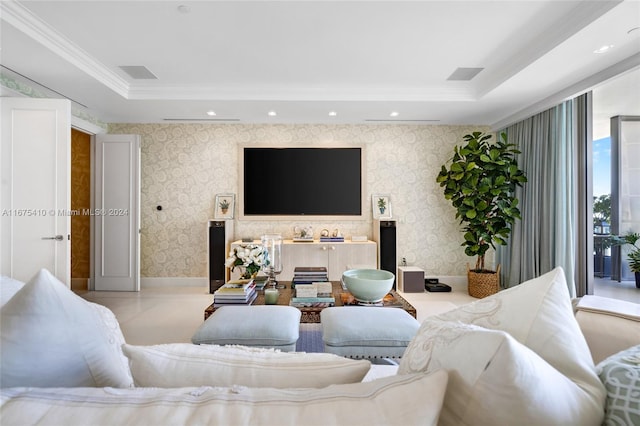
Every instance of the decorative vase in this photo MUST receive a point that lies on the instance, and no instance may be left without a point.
(637, 279)
(483, 284)
(272, 264)
(247, 275)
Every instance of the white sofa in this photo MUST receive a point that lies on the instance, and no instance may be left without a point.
(518, 357)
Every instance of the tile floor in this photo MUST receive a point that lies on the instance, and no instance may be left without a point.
(158, 315)
(624, 290)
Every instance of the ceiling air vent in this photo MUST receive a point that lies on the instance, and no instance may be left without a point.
(398, 120)
(138, 72)
(201, 119)
(464, 74)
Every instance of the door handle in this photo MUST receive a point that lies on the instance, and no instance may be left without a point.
(57, 238)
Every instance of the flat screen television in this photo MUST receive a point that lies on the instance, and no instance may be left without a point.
(301, 181)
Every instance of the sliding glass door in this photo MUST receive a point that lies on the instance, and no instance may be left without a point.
(625, 187)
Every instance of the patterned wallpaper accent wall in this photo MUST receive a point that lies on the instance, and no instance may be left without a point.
(185, 165)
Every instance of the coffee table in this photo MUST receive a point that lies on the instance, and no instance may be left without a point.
(343, 298)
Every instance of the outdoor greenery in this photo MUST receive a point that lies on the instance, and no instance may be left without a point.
(480, 182)
(602, 209)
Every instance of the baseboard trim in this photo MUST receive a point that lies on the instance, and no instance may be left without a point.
(147, 282)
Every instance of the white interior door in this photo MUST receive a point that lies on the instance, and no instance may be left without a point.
(116, 213)
(35, 200)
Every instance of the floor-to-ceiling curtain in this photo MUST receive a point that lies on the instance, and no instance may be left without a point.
(545, 237)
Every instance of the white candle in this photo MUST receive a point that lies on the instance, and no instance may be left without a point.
(270, 296)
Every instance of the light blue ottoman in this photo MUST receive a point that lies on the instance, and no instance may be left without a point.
(367, 332)
(258, 326)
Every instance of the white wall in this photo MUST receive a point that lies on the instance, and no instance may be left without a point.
(185, 165)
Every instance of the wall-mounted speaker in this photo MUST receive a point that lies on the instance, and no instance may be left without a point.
(220, 233)
(384, 233)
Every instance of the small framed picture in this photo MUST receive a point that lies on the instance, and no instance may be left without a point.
(225, 205)
(381, 206)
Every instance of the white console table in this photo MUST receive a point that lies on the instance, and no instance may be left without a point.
(336, 257)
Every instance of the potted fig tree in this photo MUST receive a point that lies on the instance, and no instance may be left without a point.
(480, 181)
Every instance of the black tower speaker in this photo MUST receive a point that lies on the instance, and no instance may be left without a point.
(387, 246)
(217, 254)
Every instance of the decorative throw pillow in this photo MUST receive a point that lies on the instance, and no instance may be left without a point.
(539, 315)
(182, 364)
(110, 329)
(399, 400)
(52, 338)
(495, 380)
(620, 374)
(8, 288)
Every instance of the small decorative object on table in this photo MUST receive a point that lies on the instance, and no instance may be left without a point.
(271, 296)
(303, 233)
(368, 285)
(247, 256)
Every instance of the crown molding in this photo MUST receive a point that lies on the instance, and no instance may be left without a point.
(30, 24)
(570, 92)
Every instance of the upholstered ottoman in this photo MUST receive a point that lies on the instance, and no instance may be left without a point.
(367, 332)
(259, 326)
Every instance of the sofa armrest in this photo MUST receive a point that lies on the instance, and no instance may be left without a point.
(608, 325)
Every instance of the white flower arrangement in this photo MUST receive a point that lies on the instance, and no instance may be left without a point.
(248, 256)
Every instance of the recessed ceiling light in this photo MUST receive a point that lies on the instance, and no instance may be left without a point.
(332, 113)
(394, 114)
(272, 113)
(604, 48)
(211, 113)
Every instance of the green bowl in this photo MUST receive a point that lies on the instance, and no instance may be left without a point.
(368, 285)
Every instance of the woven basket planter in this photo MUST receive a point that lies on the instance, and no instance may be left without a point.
(483, 284)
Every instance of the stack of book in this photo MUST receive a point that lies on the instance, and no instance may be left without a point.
(332, 239)
(237, 292)
(308, 275)
(316, 295)
(260, 282)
